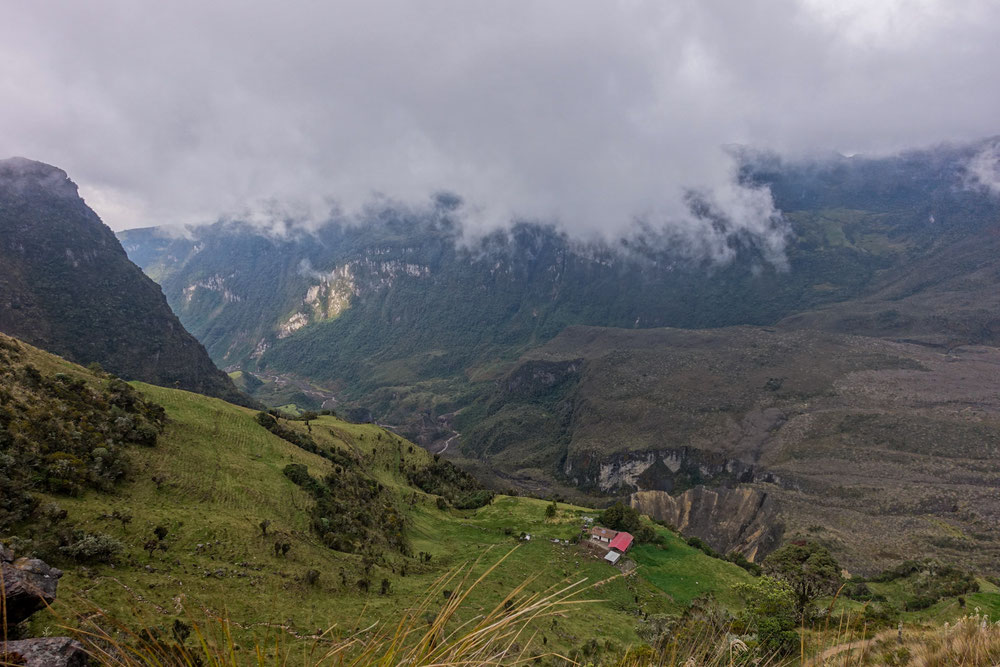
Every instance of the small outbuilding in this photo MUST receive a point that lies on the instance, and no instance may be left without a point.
(612, 557)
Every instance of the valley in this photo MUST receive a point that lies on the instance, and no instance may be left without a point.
(854, 385)
(499, 334)
(437, 414)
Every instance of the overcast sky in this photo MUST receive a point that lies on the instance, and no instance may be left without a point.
(589, 113)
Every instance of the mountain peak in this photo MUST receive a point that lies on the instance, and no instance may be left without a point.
(20, 173)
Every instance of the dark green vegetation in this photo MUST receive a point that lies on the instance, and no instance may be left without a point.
(925, 583)
(445, 479)
(67, 286)
(808, 569)
(353, 512)
(62, 434)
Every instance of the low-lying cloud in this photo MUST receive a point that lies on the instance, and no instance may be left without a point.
(596, 116)
(983, 170)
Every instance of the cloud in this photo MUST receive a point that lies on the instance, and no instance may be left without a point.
(593, 115)
(983, 169)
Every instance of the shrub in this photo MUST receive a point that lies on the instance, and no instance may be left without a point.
(769, 611)
(444, 478)
(550, 509)
(808, 568)
(94, 548)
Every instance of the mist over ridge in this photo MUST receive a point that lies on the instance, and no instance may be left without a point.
(594, 118)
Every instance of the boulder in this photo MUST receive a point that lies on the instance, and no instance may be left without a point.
(45, 652)
(29, 584)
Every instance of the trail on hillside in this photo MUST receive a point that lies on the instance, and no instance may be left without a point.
(860, 645)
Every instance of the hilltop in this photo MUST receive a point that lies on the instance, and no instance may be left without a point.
(68, 287)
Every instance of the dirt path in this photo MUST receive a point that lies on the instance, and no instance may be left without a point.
(448, 442)
(860, 646)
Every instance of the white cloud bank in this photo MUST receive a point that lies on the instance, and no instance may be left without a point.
(592, 114)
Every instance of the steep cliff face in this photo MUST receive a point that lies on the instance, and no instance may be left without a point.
(67, 286)
(667, 470)
(729, 519)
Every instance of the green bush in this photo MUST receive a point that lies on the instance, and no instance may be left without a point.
(91, 548)
(64, 433)
(770, 613)
(444, 478)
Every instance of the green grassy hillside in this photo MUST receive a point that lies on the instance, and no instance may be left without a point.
(188, 516)
(215, 474)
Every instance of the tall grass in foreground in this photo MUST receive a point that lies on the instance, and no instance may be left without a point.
(425, 635)
(445, 635)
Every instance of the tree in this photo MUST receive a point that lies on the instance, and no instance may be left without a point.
(621, 517)
(263, 527)
(809, 570)
(150, 546)
(160, 532)
(550, 510)
(770, 613)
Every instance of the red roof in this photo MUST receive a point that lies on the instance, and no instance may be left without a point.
(621, 542)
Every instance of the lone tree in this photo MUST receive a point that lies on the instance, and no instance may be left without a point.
(307, 417)
(770, 613)
(263, 527)
(621, 517)
(808, 568)
(550, 509)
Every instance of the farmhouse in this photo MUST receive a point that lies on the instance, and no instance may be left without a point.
(600, 534)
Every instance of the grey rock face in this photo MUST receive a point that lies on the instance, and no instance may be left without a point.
(740, 519)
(46, 652)
(29, 585)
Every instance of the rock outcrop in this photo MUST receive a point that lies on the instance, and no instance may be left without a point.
(46, 652)
(29, 584)
(739, 519)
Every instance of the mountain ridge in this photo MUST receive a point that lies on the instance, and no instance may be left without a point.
(69, 287)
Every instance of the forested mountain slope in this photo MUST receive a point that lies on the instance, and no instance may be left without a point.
(66, 285)
(400, 315)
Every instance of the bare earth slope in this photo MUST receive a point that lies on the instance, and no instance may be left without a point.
(882, 449)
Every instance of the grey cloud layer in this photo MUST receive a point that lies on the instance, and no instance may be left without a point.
(592, 114)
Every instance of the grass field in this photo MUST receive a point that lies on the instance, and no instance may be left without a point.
(216, 474)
